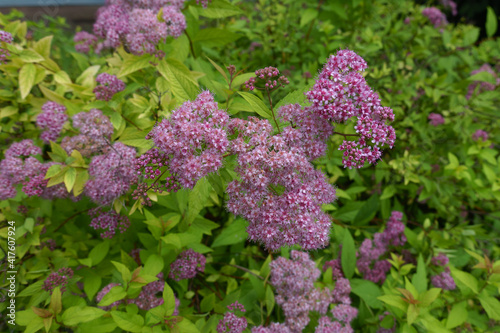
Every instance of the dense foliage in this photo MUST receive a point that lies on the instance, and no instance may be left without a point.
(258, 166)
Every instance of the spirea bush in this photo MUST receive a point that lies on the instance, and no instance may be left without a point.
(225, 166)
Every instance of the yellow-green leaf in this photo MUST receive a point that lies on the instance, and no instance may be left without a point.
(27, 76)
(69, 179)
(30, 56)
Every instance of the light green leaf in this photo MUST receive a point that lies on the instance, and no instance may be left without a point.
(429, 296)
(465, 278)
(128, 322)
(133, 64)
(154, 265)
(115, 294)
(419, 279)
(348, 256)
(69, 179)
(42, 47)
(412, 313)
(233, 234)
(256, 104)
(76, 315)
(30, 56)
(307, 16)
(125, 272)
(197, 199)
(91, 284)
(168, 299)
(179, 79)
(491, 305)
(186, 326)
(457, 316)
(213, 37)
(26, 79)
(388, 192)
(367, 291)
(219, 9)
(491, 22)
(99, 252)
(395, 301)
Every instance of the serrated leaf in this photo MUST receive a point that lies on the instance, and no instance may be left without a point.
(256, 104)
(491, 305)
(26, 79)
(128, 322)
(30, 56)
(55, 301)
(395, 301)
(179, 79)
(133, 64)
(76, 315)
(69, 179)
(43, 46)
(218, 68)
(197, 199)
(124, 271)
(81, 180)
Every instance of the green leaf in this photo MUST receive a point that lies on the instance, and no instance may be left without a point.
(218, 68)
(233, 234)
(154, 265)
(87, 78)
(179, 78)
(53, 170)
(31, 289)
(368, 292)
(307, 16)
(30, 56)
(491, 305)
(256, 104)
(215, 37)
(186, 326)
(483, 77)
(197, 199)
(457, 316)
(69, 179)
(125, 272)
(133, 64)
(471, 36)
(412, 313)
(388, 192)
(491, 22)
(42, 47)
(81, 180)
(348, 257)
(169, 299)
(128, 322)
(465, 278)
(270, 300)
(208, 303)
(76, 315)
(367, 211)
(219, 9)
(29, 223)
(8, 111)
(99, 252)
(92, 284)
(115, 294)
(419, 279)
(26, 79)
(429, 296)
(55, 301)
(395, 301)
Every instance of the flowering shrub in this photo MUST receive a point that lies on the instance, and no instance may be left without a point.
(148, 187)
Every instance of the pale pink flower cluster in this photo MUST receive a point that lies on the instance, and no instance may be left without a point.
(96, 130)
(108, 85)
(111, 174)
(371, 262)
(84, 41)
(435, 119)
(480, 134)
(21, 167)
(134, 23)
(294, 280)
(231, 323)
(437, 17)
(341, 93)
(450, 4)
(51, 120)
(187, 265)
(442, 280)
(483, 86)
(194, 138)
(269, 77)
(109, 221)
(5, 37)
(279, 192)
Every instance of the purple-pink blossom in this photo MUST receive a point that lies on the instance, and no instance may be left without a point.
(84, 41)
(437, 18)
(268, 78)
(108, 221)
(5, 37)
(443, 280)
(51, 120)
(480, 134)
(231, 323)
(108, 85)
(341, 93)
(435, 119)
(483, 86)
(187, 265)
(58, 279)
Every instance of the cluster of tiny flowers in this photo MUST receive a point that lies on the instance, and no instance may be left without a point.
(294, 280)
(111, 174)
(187, 265)
(5, 37)
(336, 267)
(269, 77)
(450, 4)
(58, 279)
(369, 263)
(483, 86)
(231, 323)
(49, 243)
(194, 138)
(204, 3)
(341, 93)
(480, 134)
(51, 120)
(95, 132)
(435, 119)
(442, 280)
(84, 41)
(268, 165)
(109, 221)
(437, 17)
(108, 85)
(135, 24)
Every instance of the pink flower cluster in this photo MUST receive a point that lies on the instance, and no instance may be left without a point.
(96, 130)
(193, 139)
(442, 280)
(294, 280)
(279, 192)
(111, 174)
(5, 37)
(269, 77)
(480, 134)
(370, 253)
(146, 300)
(435, 119)
(451, 5)
(109, 221)
(437, 17)
(51, 120)
(108, 85)
(20, 167)
(134, 23)
(483, 86)
(231, 323)
(58, 279)
(84, 41)
(187, 265)
(341, 93)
